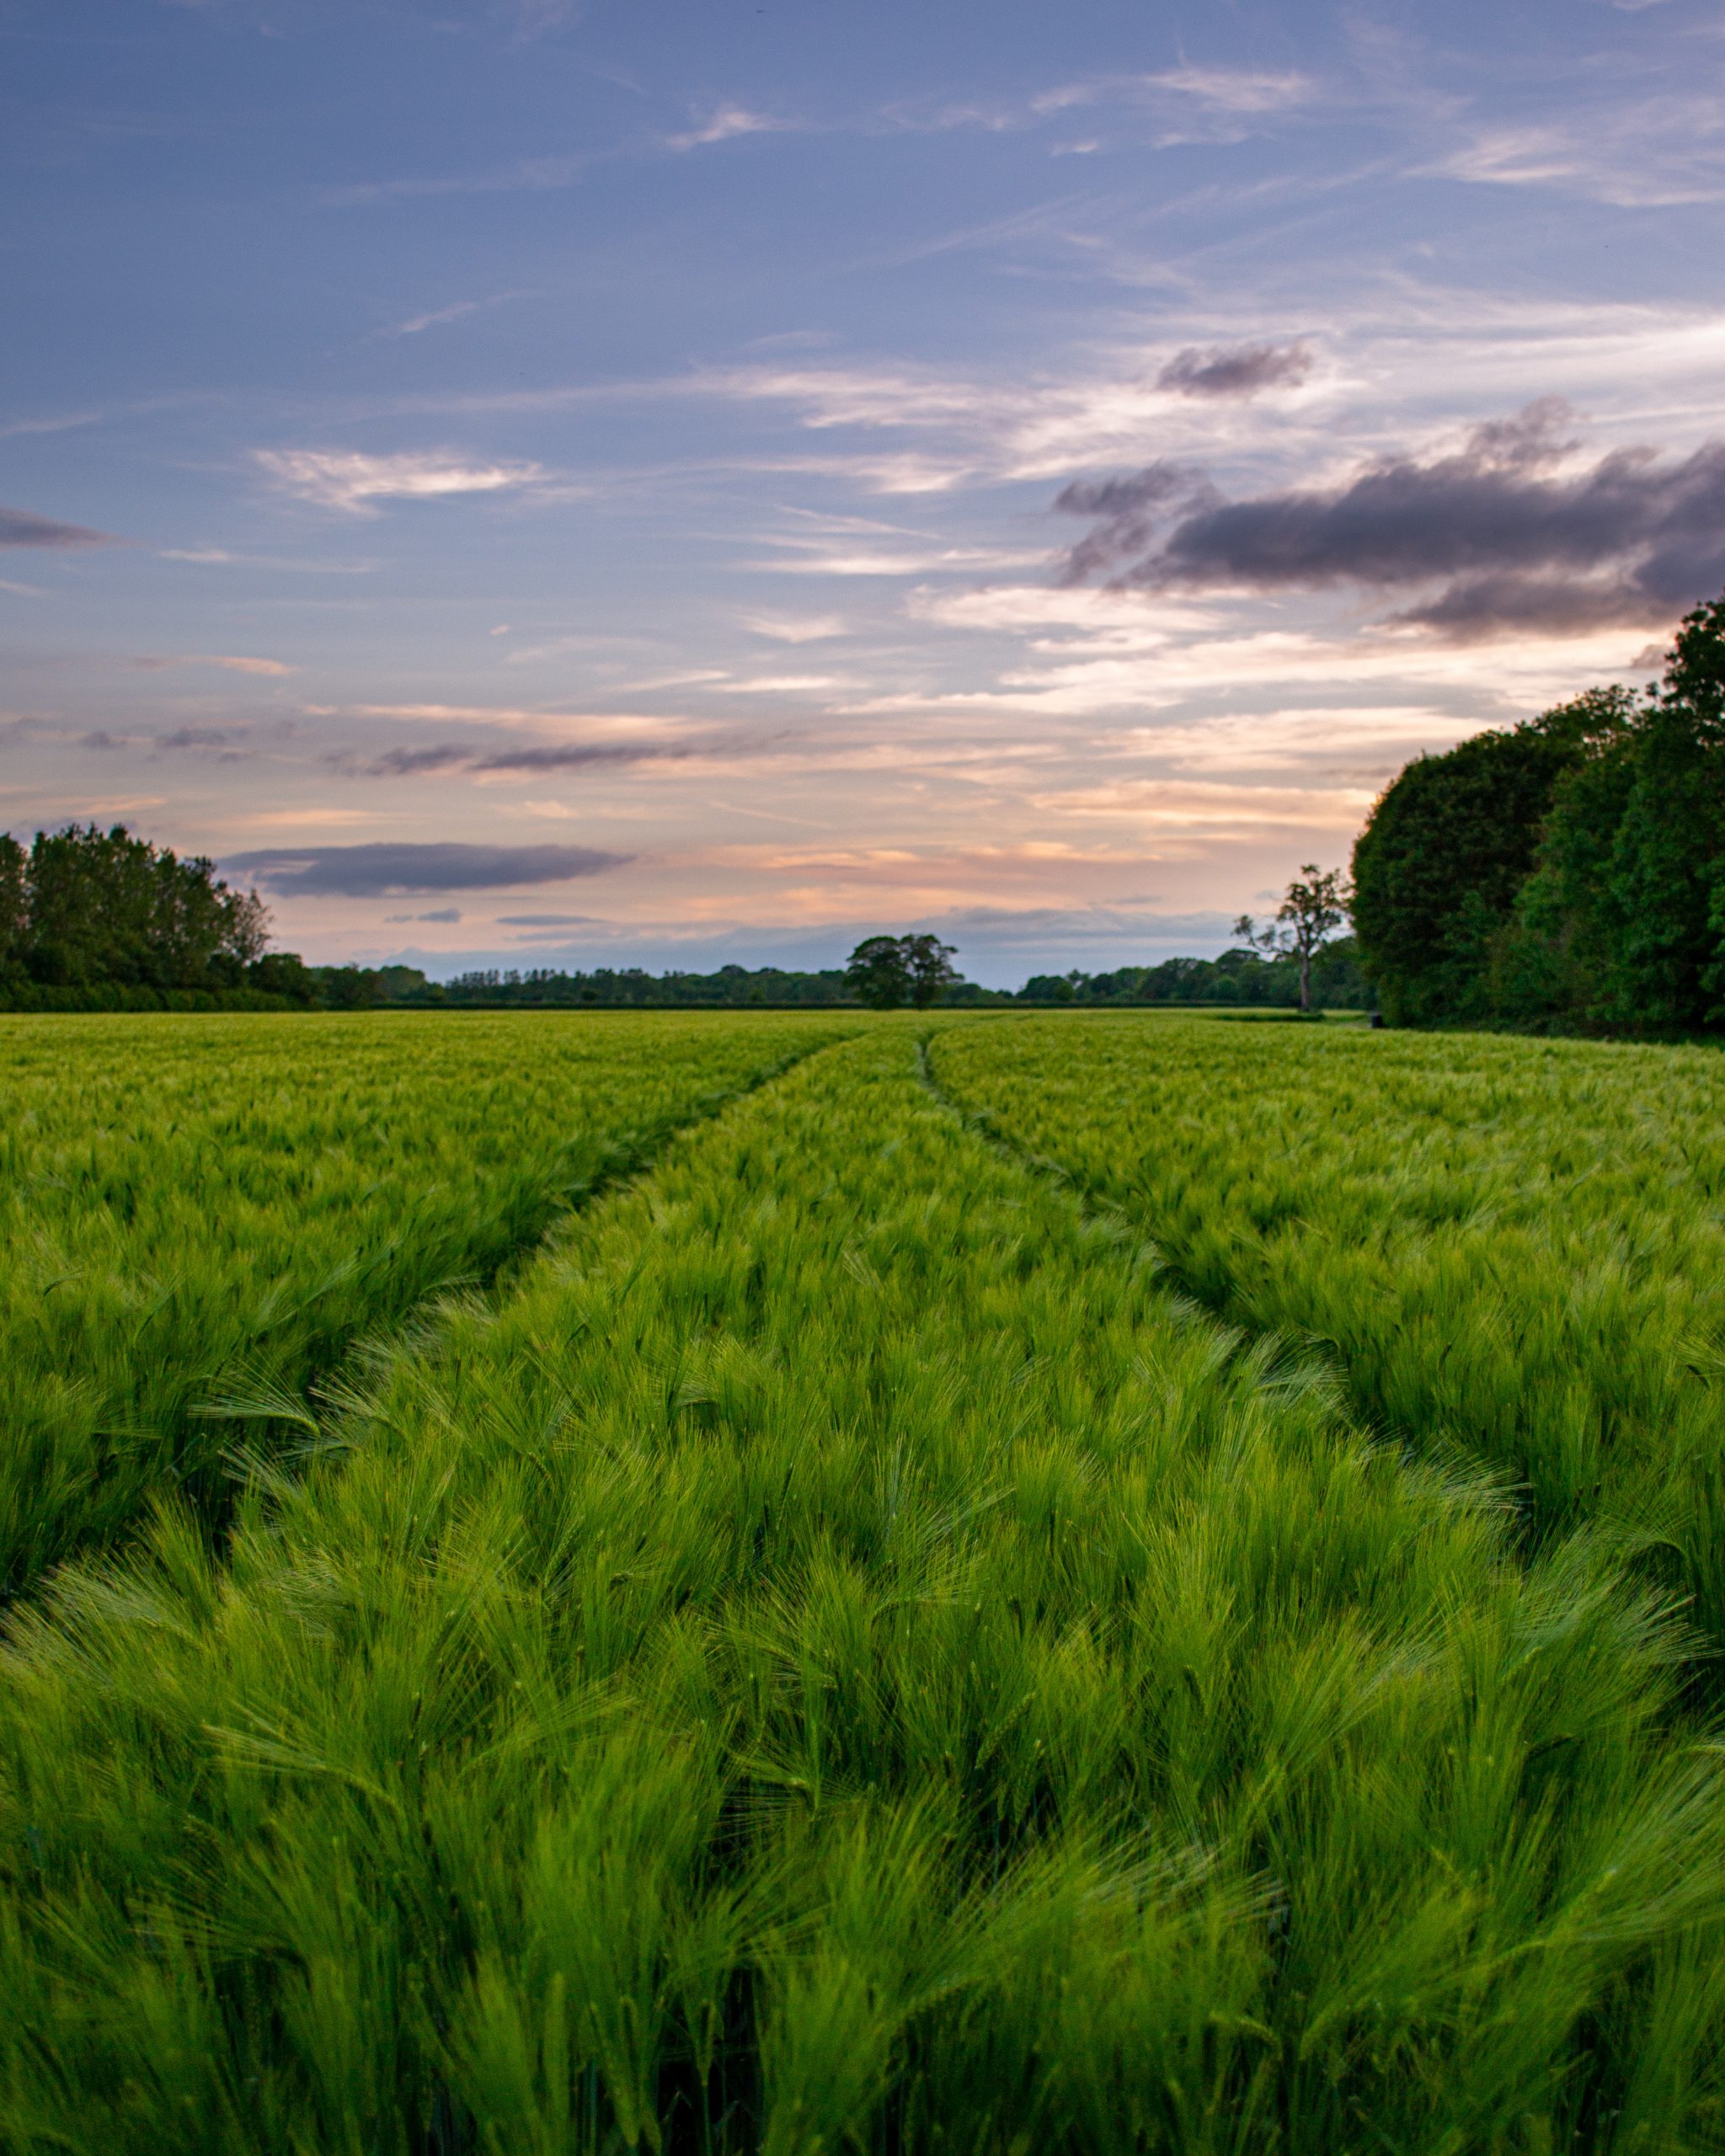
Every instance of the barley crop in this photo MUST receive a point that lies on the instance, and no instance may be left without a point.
(840, 1657)
(198, 1218)
(1513, 1249)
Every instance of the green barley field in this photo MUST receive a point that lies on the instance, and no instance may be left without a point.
(992, 1585)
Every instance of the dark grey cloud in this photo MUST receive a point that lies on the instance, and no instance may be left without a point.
(391, 869)
(1235, 370)
(223, 743)
(549, 756)
(1130, 509)
(406, 763)
(1514, 535)
(437, 913)
(576, 755)
(456, 756)
(23, 527)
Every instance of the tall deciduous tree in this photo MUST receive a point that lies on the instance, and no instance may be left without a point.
(888, 971)
(1315, 907)
(876, 972)
(14, 905)
(1442, 860)
(88, 908)
(1622, 924)
(928, 963)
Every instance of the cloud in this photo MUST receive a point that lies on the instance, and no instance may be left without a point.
(232, 664)
(23, 527)
(1514, 533)
(392, 869)
(1656, 152)
(224, 557)
(795, 628)
(438, 913)
(546, 919)
(408, 763)
(1237, 89)
(550, 756)
(221, 740)
(1236, 370)
(727, 124)
(348, 479)
(1232, 90)
(1130, 510)
(457, 311)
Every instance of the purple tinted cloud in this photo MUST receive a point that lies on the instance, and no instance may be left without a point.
(1235, 370)
(391, 869)
(1515, 535)
(23, 527)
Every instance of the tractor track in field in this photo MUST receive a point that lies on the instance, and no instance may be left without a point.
(325, 1396)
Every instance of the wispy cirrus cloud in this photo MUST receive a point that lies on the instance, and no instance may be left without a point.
(295, 565)
(230, 663)
(437, 318)
(1630, 152)
(354, 483)
(727, 123)
(1236, 91)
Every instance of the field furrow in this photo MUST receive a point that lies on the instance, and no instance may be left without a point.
(199, 1219)
(841, 1658)
(1514, 1249)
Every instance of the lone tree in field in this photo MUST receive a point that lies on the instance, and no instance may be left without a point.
(928, 962)
(886, 971)
(1315, 908)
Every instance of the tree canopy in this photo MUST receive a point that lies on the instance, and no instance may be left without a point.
(886, 971)
(1566, 873)
(88, 908)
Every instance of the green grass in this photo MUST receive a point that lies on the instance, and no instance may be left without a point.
(840, 1657)
(200, 1218)
(1514, 1250)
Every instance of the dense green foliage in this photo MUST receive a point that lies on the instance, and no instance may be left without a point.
(633, 986)
(840, 1657)
(1568, 874)
(888, 972)
(1237, 977)
(1517, 1249)
(85, 910)
(198, 1220)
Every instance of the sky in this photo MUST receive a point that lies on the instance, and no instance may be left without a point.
(556, 483)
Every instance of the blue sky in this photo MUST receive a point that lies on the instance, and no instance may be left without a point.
(538, 483)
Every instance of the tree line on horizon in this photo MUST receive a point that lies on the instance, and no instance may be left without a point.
(107, 921)
(1563, 875)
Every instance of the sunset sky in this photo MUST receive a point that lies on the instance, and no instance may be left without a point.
(534, 483)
